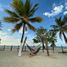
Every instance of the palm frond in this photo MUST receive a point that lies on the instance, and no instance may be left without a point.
(31, 27)
(65, 29)
(17, 27)
(10, 19)
(58, 21)
(35, 40)
(33, 10)
(18, 6)
(11, 13)
(27, 6)
(36, 19)
(54, 26)
(65, 19)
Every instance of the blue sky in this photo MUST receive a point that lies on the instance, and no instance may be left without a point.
(48, 10)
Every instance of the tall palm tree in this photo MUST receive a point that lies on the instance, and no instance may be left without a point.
(21, 15)
(61, 27)
(24, 43)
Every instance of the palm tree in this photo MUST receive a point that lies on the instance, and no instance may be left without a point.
(24, 43)
(61, 27)
(42, 36)
(46, 38)
(65, 18)
(21, 16)
(52, 38)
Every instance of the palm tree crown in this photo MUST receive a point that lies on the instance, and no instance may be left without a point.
(22, 12)
(61, 27)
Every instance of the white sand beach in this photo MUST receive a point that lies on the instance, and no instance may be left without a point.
(10, 59)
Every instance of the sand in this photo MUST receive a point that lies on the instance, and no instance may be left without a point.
(10, 59)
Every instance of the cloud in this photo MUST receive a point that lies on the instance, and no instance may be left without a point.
(65, 12)
(1, 8)
(66, 5)
(55, 11)
(9, 30)
(6, 39)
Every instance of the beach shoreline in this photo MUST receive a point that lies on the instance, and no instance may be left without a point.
(11, 59)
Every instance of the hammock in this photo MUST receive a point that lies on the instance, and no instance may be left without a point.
(33, 51)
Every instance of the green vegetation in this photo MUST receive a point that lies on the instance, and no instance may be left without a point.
(42, 36)
(61, 27)
(52, 38)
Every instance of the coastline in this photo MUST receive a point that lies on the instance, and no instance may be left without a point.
(10, 59)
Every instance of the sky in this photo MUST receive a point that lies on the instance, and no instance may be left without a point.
(48, 10)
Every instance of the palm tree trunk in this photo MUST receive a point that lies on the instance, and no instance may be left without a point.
(53, 46)
(47, 49)
(43, 47)
(20, 49)
(4, 47)
(11, 48)
(53, 49)
(24, 43)
(65, 37)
